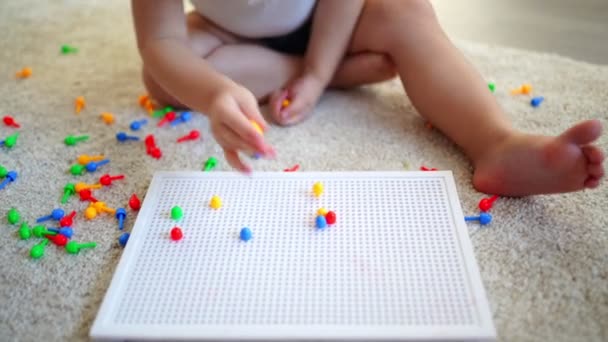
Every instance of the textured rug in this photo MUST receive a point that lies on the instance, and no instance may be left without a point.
(543, 261)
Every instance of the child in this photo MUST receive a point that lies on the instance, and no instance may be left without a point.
(226, 56)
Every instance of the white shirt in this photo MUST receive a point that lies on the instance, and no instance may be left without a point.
(256, 18)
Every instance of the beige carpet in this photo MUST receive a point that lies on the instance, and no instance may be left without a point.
(544, 260)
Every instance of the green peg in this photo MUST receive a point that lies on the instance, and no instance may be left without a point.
(491, 86)
(72, 140)
(210, 164)
(67, 49)
(38, 250)
(41, 231)
(25, 232)
(68, 190)
(159, 113)
(13, 216)
(77, 169)
(74, 247)
(177, 213)
(3, 171)
(11, 140)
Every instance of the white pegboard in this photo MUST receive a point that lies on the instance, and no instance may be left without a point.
(397, 265)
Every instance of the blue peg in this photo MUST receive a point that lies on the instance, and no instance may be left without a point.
(136, 125)
(535, 102)
(483, 218)
(121, 215)
(11, 176)
(183, 118)
(56, 214)
(122, 137)
(321, 222)
(65, 231)
(123, 239)
(92, 166)
(246, 234)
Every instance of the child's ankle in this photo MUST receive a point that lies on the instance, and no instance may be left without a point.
(492, 144)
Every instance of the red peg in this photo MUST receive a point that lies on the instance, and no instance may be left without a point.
(154, 151)
(176, 234)
(59, 239)
(424, 168)
(486, 203)
(106, 179)
(170, 116)
(330, 217)
(193, 135)
(9, 121)
(67, 220)
(87, 195)
(293, 168)
(134, 202)
(149, 140)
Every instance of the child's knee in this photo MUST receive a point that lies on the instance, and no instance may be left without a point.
(384, 67)
(401, 12)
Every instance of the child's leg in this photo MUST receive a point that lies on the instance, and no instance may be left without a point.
(262, 70)
(447, 91)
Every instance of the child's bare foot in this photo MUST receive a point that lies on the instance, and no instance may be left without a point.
(531, 164)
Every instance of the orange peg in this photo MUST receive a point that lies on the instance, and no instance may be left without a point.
(108, 118)
(24, 73)
(84, 159)
(82, 186)
(524, 89)
(143, 99)
(79, 104)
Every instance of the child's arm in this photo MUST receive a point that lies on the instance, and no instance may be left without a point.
(333, 25)
(162, 39)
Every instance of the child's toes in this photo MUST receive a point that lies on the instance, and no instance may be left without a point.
(595, 170)
(593, 154)
(592, 183)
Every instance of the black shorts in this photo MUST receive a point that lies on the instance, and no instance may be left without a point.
(294, 43)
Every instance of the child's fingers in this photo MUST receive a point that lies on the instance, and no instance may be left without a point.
(251, 109)
(296, 113)
(233, 159)
(297, 106)
(277, 103)
(244, 129)
(229, 140)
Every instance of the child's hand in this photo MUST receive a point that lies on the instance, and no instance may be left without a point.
(230, 115)
(302, 93)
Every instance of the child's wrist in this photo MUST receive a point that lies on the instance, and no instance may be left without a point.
(322, 76)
